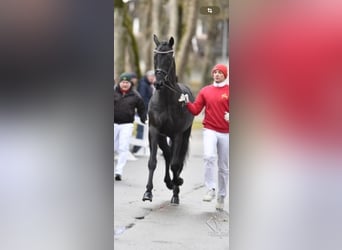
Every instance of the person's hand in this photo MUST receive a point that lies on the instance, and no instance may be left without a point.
(226, 116)
(184, 98)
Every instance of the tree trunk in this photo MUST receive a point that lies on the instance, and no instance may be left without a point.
(173, 24)
(185, 43)
(119, 39)
(133, 50)
(146, 36)
(156, 10)
(209, 55)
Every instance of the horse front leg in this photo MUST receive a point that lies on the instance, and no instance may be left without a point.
(152, 162)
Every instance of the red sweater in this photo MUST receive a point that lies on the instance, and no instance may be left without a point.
(216, 103)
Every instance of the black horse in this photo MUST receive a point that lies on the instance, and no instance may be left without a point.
(168, 118)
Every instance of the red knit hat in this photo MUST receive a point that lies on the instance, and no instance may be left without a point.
(220, 67)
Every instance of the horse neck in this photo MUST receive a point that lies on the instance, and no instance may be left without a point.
(172, 78)
(170, 95)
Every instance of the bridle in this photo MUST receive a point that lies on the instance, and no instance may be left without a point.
(166, 73)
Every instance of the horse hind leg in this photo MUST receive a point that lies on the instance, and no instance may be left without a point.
(181, 153)
(176, 165)
(167, 156)
(175, 197)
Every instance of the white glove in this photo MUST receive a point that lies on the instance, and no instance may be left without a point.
(226, 116)
(184, 98)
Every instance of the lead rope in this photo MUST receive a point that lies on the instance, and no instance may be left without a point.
(173, 89)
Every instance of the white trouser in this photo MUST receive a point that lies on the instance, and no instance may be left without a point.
(216, 146)
(122, 135)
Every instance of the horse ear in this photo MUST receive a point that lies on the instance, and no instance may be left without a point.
(156, 41)
(171, 42)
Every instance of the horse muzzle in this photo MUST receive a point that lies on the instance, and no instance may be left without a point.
(158, 85)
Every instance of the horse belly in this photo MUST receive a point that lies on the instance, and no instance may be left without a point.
(169, 128)
(168, 124)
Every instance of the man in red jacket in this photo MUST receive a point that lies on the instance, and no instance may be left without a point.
(215, 99)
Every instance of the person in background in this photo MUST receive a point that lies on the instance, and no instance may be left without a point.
(215, 99)
(134, 79)
(145, 89)
(126, 102)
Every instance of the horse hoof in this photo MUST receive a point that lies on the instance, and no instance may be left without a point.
(147, 196)
(174, 200)
(178, 182)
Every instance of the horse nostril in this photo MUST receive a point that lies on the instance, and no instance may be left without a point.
(158, 85)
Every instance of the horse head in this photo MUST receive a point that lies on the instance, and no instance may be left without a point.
(164, 63)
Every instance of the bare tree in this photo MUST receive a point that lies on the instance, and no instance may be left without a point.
(119, 38)
(126, 50)
(145, 18)
(209, 55)
(214, 33)
(156, 16)
(173, 24)
(167, 18)
(132, 48)
(191, 8)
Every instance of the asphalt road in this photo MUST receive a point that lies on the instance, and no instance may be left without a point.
(157, 225)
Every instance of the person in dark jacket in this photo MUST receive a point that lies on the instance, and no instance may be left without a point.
(126, 102)
(145, 89)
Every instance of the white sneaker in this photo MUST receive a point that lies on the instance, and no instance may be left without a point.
(220, 203)
(210, 195)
